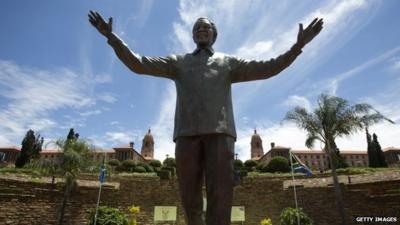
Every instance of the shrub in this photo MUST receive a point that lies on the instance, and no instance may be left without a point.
(140, 163)
(169, 162)
(289, 217)
(108, 216)
(149, 169)
(128, 165)
(155, 163)
(237, 164)
(250, 165)
(140, 169)
(277, 164)
(261, 166)
(114, 162)
(146, 166)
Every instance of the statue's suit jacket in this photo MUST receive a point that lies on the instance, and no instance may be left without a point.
(203, 83)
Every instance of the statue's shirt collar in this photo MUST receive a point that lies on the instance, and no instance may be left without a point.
(208, 50)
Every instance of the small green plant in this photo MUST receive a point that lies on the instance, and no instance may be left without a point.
(108, 216)
(266, 221)
(289, 217)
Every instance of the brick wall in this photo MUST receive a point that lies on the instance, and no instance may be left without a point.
(38, 203)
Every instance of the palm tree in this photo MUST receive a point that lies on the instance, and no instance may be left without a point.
(334, 117)
(74, 157)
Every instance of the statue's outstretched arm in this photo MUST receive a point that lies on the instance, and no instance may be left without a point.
(156, 66)
(247, 70)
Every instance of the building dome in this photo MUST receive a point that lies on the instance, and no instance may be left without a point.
(148, 138)
(257, 150)
(148, 146)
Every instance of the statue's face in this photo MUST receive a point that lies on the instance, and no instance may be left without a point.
(203, 34)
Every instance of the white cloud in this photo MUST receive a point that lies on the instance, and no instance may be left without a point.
(31, 94)
(140, 18)
(331, 85)
(395, 64)
(113, 123)
(103, 78)
(90, 113)
(162, 130)
(259, 48)
(112, 139)
(106, 97)
(287, 135)
(295, 100)
(122, 137)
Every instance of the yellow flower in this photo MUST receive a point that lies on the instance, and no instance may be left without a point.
(266, 222)
(134, 209)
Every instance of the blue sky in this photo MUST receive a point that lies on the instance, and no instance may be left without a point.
(57, 72)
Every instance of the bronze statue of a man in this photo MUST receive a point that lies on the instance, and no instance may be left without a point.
(204, 130)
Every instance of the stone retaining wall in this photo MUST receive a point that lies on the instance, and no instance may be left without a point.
(23, 202)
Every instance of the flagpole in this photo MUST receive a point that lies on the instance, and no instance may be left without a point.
(294, 188)
(101, 185)
(97, 206)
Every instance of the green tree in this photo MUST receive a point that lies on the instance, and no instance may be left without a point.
(372, 157)
(169, 162)
(378, 152)
(73, 159)
(277, 164)
(334, 117)
(31, 148)
(237, 164)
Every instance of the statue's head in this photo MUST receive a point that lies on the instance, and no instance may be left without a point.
(204, 32)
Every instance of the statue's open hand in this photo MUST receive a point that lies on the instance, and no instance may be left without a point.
(97, 21)
(310, 32)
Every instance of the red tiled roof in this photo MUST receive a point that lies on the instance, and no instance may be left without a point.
(123, 146)
(280, 147)
(11, 148)
(356, 152)
(391, 148)
(103, 151)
